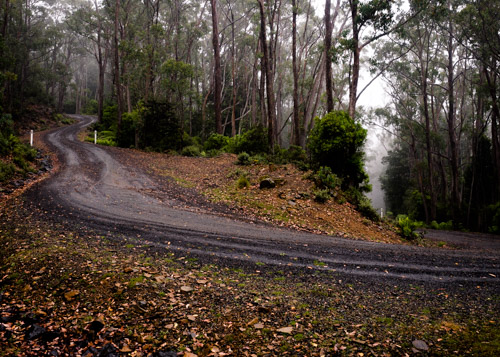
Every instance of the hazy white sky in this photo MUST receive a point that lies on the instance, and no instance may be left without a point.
(374, 95)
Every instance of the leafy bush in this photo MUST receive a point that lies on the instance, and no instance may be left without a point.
(7, 139)
(494, 221)
(215, 142)
(321, 195)
(109, 118)
(161, 130)
(128, 131)
(242, 182)
(366, 209)
(191, 150)
(337, 141)
(444, 226)
(191, 140)
(297, 156)
(11, 147)
(324, 178)
(106, 141)
(407, 227)
(258, 159)
(253, 141)
(6, 171)
(243, 159)
(91, 107)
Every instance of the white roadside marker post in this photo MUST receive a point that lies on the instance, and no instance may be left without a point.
(31, 137)
(381, 213)
(95, 136)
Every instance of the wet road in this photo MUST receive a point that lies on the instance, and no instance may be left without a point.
(94, 190)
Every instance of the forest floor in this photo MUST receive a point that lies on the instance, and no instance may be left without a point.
(81, 293)
(85, 294)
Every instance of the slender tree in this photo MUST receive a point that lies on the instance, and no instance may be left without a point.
(217, 69)
(328, 62)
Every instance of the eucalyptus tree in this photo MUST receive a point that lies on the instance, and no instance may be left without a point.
(89, 22)
(268, 74)
(479, 27)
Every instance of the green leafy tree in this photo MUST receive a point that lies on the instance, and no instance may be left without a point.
(337, 141)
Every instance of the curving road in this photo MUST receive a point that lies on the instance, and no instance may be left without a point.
(94, 190)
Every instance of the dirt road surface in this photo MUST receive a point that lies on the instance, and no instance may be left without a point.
(94, 190)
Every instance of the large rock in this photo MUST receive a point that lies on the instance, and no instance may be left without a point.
(267, 182)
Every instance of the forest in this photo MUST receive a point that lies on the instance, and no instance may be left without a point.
(278, 78)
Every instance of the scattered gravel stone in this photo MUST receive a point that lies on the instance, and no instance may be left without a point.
(34, 332)
(420, 345)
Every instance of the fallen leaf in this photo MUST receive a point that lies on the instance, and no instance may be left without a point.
(125, 349)
(287, 330)
(253, 321)
(70, 295)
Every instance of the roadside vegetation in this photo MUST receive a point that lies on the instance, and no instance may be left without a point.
(16, 158)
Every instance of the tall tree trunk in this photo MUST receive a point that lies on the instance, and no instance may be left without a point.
(255, 86)
(217, 69)
(354, 75)
(455, 195)
(271, 114)
(424, 71)
(491, 79)
(296, 118)
(328, 62)
(117, 69)
(5, 17)
(233, 74)
(101, 63)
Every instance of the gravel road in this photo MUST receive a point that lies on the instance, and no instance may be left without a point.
(94, 189)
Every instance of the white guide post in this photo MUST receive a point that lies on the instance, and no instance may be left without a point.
(95, 136)
(381, 213)
(31, 137)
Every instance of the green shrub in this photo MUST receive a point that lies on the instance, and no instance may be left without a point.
(105, 141)
(321, 195)
(258, 159)
(494, 222)
(191, 140)
(109, 118)
(407, 227)
(191, 150)
(324, 178)
(243, 159)
(105, 137)
(243, 182)
(444, 226)
(337, 141)
(213, 153)
(253, 141)
(91, 107)
(161, 130)
(6, 171)
(366, 209)
(215, 142)
(129, 128)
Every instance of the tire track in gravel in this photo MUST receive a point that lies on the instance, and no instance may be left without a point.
(94, 190)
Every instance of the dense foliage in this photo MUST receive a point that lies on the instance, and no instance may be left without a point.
(337, 141)
(444, 164)
(15, 157)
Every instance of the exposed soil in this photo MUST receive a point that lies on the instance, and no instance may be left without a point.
(290, 204)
